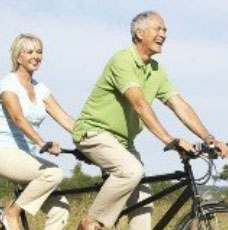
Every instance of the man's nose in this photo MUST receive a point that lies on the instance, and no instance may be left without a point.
(162, 33)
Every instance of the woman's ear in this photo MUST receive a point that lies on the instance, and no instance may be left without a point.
(19, 59)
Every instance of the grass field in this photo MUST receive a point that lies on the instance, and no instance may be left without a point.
(79, 205)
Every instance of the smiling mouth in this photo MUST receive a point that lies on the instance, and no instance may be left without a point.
(35, 63)
(159, 43)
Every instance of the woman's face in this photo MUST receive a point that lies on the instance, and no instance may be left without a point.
(30, 56)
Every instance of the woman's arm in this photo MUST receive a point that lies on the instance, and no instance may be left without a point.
(58, 114)
(13, 107)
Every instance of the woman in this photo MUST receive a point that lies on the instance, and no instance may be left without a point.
(23, 105)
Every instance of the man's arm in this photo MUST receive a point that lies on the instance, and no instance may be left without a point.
(136, 98)
(191, 120)
(187, 115)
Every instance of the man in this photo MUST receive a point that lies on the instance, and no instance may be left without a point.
(114, 114)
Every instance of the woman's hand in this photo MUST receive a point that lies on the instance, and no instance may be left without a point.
(54, 149)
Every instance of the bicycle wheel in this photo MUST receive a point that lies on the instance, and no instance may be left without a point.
(215, 218)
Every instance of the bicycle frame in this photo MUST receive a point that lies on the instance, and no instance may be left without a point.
(185, 179)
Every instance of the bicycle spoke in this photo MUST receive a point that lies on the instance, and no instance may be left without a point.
(215, 218)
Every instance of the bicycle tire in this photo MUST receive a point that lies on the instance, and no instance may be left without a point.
(216, 214)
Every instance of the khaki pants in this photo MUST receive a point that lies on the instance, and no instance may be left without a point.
(121, 188)
(41, 177)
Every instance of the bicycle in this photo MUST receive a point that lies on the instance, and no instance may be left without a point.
(203, 215)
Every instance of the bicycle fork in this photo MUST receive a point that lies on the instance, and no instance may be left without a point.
(198, 213)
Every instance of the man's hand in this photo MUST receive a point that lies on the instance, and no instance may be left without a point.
(187, 146)
(221, 147)
(181, 146)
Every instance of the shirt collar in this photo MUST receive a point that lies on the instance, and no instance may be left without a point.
(136, 56)
(146, 67)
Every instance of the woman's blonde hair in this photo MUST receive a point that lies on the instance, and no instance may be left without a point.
(20, 44)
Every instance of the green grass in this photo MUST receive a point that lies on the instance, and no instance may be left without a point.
(80, 204)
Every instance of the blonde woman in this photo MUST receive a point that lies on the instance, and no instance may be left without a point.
(24, 103)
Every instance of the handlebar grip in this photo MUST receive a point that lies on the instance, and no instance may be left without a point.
(79, 155)
(47, 146)
(75, 152)
(67, 150)
(172, 145)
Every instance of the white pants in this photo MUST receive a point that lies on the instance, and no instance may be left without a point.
(41, 177)
(121, 188)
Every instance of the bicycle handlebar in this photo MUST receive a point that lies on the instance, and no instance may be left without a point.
(75, 152)
(78, 155)
(200, 148)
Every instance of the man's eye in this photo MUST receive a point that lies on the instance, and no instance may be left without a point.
(156, 28)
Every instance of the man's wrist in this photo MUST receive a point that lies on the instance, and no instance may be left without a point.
(168, 140)
(209, 139)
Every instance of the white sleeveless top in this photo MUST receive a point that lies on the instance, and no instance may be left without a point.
(34, 112)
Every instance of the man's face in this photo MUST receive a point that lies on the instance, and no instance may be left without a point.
(153, 37)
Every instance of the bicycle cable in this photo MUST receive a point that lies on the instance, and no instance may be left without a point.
(207, 176)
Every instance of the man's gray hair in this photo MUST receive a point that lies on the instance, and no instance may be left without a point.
(140, 21)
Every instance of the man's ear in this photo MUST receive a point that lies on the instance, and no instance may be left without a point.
(139, 34)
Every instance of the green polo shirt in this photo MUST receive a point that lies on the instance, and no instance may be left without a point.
(107, 109)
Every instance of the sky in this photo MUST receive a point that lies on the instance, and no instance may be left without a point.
(80, 36)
